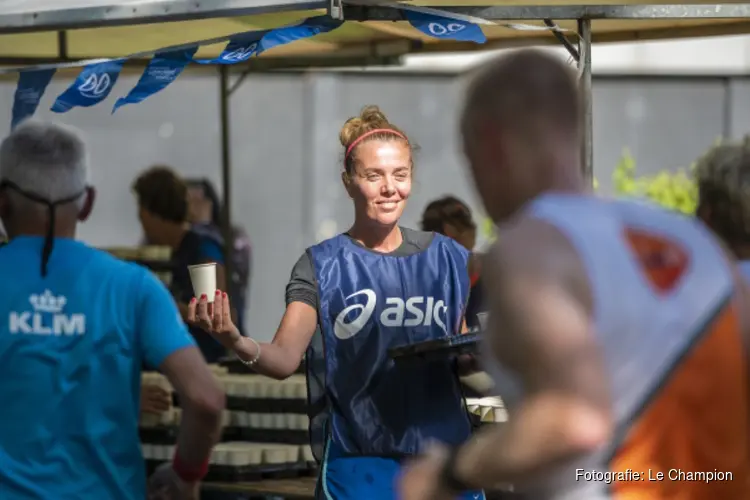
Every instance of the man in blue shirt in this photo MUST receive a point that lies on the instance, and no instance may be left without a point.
(163, 211)
(76, 326)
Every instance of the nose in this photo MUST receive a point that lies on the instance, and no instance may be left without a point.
(388, 189)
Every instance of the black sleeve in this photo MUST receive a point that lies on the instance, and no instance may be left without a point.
(301, 286)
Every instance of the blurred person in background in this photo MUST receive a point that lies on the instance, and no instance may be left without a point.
(77, 326)
(162, 198)
(452, 217)
(349, 300)
(723, 178)
(624, 325)
(204, 213)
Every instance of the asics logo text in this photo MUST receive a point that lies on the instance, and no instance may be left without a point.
(412, 312)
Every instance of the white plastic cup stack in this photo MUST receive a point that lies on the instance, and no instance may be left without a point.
(203, 277)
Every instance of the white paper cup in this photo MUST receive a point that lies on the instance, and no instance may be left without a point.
(203, 277)
(483, 320)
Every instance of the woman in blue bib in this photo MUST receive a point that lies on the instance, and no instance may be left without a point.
(349, 300)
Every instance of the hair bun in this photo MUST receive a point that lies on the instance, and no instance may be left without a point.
(373, 118)
(370, 118)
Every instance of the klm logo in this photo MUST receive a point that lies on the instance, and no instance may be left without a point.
(412, 312)
(47, 318)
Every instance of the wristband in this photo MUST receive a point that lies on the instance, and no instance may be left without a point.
(448, 477)
(186, 472)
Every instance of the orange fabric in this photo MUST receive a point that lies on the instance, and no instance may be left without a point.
(697, 422)
(663, 261)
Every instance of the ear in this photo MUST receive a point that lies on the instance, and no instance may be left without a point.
(88, 204)
(489, 137)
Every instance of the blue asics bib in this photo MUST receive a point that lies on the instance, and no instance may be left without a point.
(360, 400)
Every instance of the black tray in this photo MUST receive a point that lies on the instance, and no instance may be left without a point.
(242, 474)
(260, 405)
(467, 343)
(168, 434)
(267, 405)
(281, 436)
(248, 473)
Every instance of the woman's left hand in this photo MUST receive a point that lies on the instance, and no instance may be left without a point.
(155, 400)
(420, 479)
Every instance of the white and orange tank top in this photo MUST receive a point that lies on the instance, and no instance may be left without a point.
(669, 330)
(745, 268)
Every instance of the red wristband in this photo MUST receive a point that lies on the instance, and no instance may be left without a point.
(473, 279)
(189, 473)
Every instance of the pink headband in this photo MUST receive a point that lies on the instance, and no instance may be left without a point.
(368, 134)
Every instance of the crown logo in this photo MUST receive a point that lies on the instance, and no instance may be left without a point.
(47, 302)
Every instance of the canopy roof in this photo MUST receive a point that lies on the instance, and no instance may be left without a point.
(49, 29)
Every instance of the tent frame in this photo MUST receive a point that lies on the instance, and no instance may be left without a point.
(581, 54)
(118, 14)
(358, 10)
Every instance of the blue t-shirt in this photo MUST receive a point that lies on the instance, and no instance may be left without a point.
(211, 251)
(71, 350)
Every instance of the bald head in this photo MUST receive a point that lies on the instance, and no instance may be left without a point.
(528, 91)
(521, 130)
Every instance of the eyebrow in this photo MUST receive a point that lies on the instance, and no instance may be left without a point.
(380, 170)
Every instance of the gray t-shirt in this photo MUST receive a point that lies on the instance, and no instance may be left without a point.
(302, 286)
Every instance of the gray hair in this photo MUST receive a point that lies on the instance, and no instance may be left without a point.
(45, 159)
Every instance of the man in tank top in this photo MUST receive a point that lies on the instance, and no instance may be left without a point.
(723, 178)
(620, 324)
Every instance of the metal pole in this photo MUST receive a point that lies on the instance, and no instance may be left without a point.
(309, 118)
(726, 129)
(587, 99)
(226, 172)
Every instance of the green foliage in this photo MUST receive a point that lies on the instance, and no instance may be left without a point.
(487, 230)
(674, 190)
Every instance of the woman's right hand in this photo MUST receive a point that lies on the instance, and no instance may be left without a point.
(215, 318)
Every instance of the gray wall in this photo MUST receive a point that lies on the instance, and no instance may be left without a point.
(286, 156)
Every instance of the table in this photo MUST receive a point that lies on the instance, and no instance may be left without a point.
(297, 488)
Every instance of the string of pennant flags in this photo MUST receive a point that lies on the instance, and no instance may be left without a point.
(98, 77)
